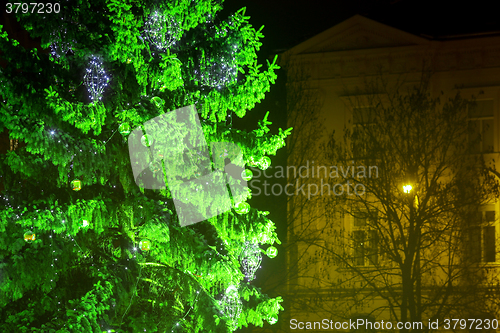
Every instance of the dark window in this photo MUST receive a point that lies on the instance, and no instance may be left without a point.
(475, 244)
(373, 247)
(489, 244)
(366, 239)
(482, 237)
(481, 126)
(359, 247)
(364, 134)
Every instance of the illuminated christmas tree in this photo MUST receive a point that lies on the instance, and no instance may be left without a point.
(124, 204)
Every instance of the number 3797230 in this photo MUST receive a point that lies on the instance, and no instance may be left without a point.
(32, 7)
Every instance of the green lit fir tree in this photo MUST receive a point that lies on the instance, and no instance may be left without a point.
(87, 244)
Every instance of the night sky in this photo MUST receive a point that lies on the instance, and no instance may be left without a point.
(288, 23)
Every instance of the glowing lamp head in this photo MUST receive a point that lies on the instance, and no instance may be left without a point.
(407, 188)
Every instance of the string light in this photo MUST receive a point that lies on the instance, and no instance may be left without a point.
(95, 79)
(250, 259)
(231, 306)
(162, 31)
(217, 72)
(58, 48)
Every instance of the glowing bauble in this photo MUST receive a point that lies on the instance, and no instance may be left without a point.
(242, 208)
(265, 162)
(29, 236)
(60, 45)
(82, 223)
(273, 320)
(250, 259)
(158, 102)
(231, 306)
(76, 185)
(247, 174)
(124, 129)
(145, 245)
(146, 140)
(95, 79)
(155, 166)
(272, 252)
(162, 31)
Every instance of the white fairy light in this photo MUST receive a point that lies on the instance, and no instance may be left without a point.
(61, 47)
(218, 73)
(95, 79)
(250, 259)
(162, 31)
(231, 306)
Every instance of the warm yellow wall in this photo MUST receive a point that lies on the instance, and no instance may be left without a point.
(472, 63)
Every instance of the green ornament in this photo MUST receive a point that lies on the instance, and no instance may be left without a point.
(158, 102)
(145, 245)
(124, 129)
(146, 141)
(247, 174)
(242, 208)
(82, 223)
(76, 185)
(29, 236)
(272, 252)
(273, 320)
(265, 162)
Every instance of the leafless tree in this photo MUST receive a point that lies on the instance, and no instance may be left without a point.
(410, 238)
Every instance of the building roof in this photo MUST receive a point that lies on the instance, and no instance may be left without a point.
(357, 32)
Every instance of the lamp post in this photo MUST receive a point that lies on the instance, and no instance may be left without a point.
(418, 288)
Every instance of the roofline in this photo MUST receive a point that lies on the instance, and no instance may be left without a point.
(463, 36)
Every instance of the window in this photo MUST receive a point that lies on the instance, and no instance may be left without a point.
(365, 240)
(311, 263)
(481, 126)
(482, 236)
(363, 132)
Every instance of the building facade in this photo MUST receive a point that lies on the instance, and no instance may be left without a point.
(327, 287)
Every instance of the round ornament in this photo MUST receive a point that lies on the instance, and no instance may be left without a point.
(272, 252)
(247, 174)
(265, 162)
(82, 223)
(146, 141)
(124, 129)
(76, 185)
(155, 166)
(145, 245)
(29, 236)
(272, 320)
(242, 208)
(162, 31)
(158, 102)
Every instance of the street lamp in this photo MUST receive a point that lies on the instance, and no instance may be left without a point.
(407, 188)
